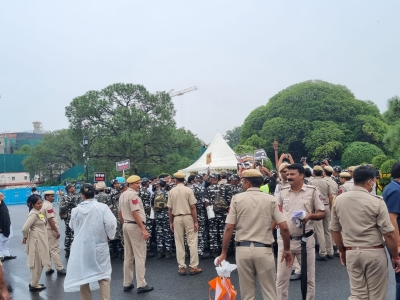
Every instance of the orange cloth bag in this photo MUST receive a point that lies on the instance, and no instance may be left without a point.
(224, 290)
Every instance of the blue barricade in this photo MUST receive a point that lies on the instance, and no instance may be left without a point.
(19, 196)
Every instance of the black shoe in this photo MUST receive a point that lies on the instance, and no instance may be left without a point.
(37, 289)
(66, 253)
(214, 254)
(62, 272)
(295, 277)
(49, 272)
(160, 255)
(330, 256)
(205, 255)
(128, 288)
(39, 284)
(144, 289)
(150, 254)
(168, 255)
(322, 258)
(9, 257)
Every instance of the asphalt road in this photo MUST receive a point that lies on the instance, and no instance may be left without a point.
(331, 277)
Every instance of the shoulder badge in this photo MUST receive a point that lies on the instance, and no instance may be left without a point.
(50, 211)
(135, 201)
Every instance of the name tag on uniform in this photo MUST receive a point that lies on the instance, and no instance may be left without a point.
(286, 199)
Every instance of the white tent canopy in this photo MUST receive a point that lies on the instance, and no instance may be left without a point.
(222, 157)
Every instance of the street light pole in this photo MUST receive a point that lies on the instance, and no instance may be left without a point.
(85, 143)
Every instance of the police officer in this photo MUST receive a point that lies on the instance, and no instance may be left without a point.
(360, 222)
(298, 197)
(283, 183)
(328, 171)
(67, 203)
(145, 195)
(346, 183)
(131, 214)
(322, 227)
(336, 174)
(216, 196)
(223, 177)
(117, 243)
(163, 233)
(183, 222)
(102, 197)
(52, 234)
(252, 212)
(198, 191)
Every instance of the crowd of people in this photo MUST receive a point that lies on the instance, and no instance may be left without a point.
(255, 213)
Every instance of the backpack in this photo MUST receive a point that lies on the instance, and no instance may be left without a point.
(160, 201)
(220, 205)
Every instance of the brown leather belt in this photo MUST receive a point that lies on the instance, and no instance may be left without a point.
(182, 215)
(364, 248)
(130, 222)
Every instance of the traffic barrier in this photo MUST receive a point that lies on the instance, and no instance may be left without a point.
(19, 196)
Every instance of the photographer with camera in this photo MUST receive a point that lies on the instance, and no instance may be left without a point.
(303, 161)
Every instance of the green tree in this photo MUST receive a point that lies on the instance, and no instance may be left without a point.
(326, 139)
(25, 149)
(243, 149)
(125, 121)
(253, 123)
(57, 151)
(359, 152)
(232, 137)
(256, 142)
(378, 160)
(391, 140)
(306, 109)
(392, 115)
(330, 149)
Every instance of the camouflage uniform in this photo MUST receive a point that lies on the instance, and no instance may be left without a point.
(145, 195)
(103, 198)
(232, 191)
(198, 191)
(163, 232)
(67, 203)
(217, 224)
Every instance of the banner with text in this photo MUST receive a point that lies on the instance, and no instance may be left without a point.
(100, 176)
(247, 157)
(260, 154)
(123, 165)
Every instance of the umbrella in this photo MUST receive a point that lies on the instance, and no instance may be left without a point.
(304, 278)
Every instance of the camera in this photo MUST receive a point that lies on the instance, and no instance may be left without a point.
(258, 163)
(317, 163)
(303, 159)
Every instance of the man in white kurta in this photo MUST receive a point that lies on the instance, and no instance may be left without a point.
(89, 264)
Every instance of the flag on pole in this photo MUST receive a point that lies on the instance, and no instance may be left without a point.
(208, 158)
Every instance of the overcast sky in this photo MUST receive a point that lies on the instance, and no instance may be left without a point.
(238, 54)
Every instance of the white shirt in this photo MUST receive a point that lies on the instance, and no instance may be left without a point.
(93, 224)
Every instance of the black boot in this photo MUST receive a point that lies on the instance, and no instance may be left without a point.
(66, 253)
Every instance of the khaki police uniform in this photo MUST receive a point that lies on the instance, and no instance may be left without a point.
(54, 243)
(363, 219)
(307, 199)
(322, 232)
(333, 186)
(252, 213)
(37, 248)
(134, 242)
(346, 187)
(179, 200)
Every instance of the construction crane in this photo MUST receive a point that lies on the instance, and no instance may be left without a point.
(180, 93)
